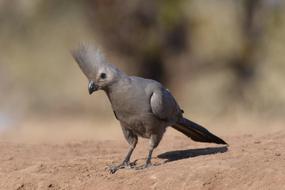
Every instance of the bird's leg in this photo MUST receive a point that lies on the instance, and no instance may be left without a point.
(124, 164)
(132, 140)
(126, 161)
(148, 159)
(154, 141)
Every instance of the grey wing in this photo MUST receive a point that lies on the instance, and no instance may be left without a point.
(164, 106)
(88, 59)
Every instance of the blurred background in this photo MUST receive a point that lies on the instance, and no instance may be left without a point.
(222, 59)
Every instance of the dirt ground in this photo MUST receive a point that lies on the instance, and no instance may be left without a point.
(73, 158)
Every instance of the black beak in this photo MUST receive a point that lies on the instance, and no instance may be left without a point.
(92, 87)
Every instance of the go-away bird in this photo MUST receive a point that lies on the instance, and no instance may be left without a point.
(143, 107)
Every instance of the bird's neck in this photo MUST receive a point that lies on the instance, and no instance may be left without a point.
(121, 79)
(117, 86)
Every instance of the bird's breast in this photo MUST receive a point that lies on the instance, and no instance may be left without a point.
(129, 102)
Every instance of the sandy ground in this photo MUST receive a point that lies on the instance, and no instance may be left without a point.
(33, 157)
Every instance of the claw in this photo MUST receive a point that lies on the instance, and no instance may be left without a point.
(145, 166)
(148, 165)
(113, 168)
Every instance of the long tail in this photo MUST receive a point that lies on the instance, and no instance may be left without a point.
(197, 132)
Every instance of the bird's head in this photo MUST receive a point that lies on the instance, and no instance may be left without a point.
(99, 72)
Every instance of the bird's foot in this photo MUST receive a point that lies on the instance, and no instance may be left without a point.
(145, 166)
(112, 169)
(129, 165)
(148, 165)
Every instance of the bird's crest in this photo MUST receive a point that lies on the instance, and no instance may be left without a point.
(89, 59)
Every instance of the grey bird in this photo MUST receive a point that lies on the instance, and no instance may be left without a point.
(143, 107)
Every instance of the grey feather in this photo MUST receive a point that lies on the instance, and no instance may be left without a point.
(89, 59)
(164, 106)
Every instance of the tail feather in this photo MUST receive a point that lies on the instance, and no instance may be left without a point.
(196, 132)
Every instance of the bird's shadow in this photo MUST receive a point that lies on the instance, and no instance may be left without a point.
(183, 154)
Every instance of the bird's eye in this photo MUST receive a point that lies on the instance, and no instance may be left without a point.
(103, 75)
